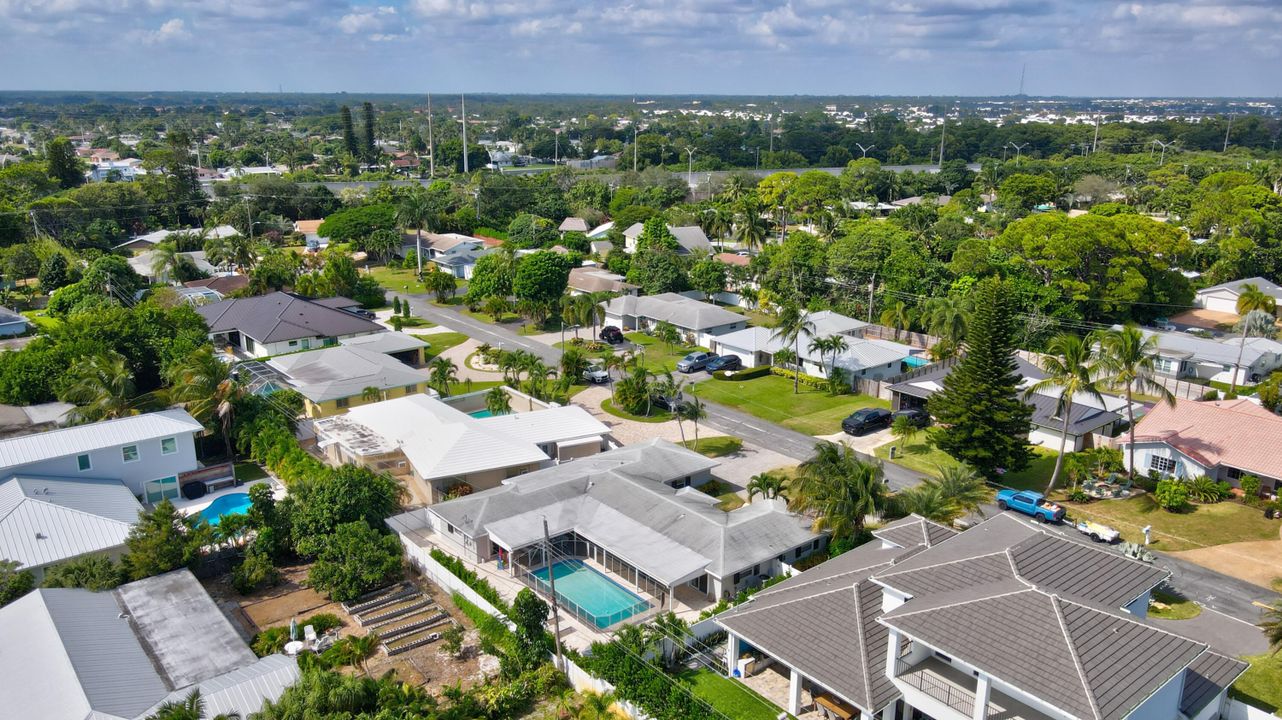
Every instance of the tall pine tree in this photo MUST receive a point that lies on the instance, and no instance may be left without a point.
(349, 132)
(63, 164)
(371, 152)
(983, 420)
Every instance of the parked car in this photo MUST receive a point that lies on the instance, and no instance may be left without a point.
(597, 374)
(865, 420)
(1098, 532)
(916, 416)
(695, 361)
(725, 362)
(611, 334)
(670, 404)
(1030, 503)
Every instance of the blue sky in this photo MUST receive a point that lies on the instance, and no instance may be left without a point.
(967, 47)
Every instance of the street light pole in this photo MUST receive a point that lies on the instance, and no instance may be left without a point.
(863, 149)
(690, 167)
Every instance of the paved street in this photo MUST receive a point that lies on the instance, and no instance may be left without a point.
(1232, 597)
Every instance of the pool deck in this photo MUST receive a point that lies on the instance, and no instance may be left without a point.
(189, 507)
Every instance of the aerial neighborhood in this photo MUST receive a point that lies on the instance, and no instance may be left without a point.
(320, 408)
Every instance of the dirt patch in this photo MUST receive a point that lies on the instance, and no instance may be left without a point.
(428, 666)
(1258, 562)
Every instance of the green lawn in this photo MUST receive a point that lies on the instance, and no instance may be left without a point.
(1175, 606)
(249, 471)
(464, 387)
(400, 281)
(1204, 525)
(657, 356)
(440, 342)
(731, 697)
(505, 318)
(715, 447)
(755, 317)
(920, 454)
(42, 320)
(1261, 686)
(656, 415)
(811, 411)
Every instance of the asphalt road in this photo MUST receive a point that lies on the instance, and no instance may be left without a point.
(1232, 597)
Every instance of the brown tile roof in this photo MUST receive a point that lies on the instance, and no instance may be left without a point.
(732, 259)
(1237, 433)
(307, 227)
(222, 284)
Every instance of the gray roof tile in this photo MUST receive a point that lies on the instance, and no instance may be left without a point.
(281, 316)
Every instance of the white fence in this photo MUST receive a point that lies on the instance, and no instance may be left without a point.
(443, 578)
(1238, 710)
(584, 681)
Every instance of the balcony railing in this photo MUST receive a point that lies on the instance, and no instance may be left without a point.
(935, 685)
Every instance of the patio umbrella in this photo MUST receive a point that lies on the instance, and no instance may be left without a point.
(293, 628)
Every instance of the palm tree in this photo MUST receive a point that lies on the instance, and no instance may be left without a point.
(945, 317)
(205, 385)
(734, 188)
(497, 401)
(1071, 368)
(840, 489)
(791, 325)
(496, 307)
(165, 260)
(669, 388)
(964, 487)
(443, 373)
(928, 501)
(667, 333)
(1271, 623)
(750, 228)
(835, 344)
(598, 706)
(767, 485)
(693, 411)
(905, 429)
(897, 315)
(1251, 299)
(103, 388)
(1128, 361)
(192, 707)
(360, 648)
(783, 357)
(371, 393)
(670, 634)
(415, 210)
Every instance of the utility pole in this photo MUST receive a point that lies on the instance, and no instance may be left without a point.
(431, 146)
(1095, 142)
(871, 285)
(863, 149)
(556, 152)
(463, 101)
(1162, 160)
(556, 617)
(1227, 131)
(690, 168)
(943, 132)
(634, 147)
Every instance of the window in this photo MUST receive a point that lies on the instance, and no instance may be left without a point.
(165, 488)
(1166, 366)
(129, 453)
(82, 462)
(341, 402)
(411, 389)
(168, 446)
(1161, 464)
(293, 343)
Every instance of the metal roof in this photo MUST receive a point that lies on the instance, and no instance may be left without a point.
(281, 316)
(243, 690)
(46, 520)
(27, 449)
(385, 342)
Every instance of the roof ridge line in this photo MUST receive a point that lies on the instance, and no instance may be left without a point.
(832, 577)
(1125, 616)
(946, 562)
(747, 610)
(863, 646)
(1010, 558)
(1072, 651)
(73, 510)
(1094, 549)
(959, 603)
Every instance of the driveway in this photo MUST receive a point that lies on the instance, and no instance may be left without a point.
(629, 432)
(866, 443)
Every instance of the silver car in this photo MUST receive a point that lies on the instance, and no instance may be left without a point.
(596, 374)
(695, 361)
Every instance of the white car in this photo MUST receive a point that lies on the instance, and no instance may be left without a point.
(596, 374)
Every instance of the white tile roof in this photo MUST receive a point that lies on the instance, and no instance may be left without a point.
(28, 449)
(46, 520)
(558, 424)
(342, 371)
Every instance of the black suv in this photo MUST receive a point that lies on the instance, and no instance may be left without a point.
(611, 334)
(725, 362)
(865, 420)
(916, 416)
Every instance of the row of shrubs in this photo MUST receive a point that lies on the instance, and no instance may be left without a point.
(750, 374)
(808, 380)
(469, 578)
(743, 596)
(589, 345)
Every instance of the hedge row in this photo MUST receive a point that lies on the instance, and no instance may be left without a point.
(470, 578)
(807, 380)
(750, 374)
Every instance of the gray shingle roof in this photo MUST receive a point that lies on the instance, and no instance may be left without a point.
(914, 530)
(677, 309)
(1209, 674)
(1082, 419)
(344, 371)
(280, 316)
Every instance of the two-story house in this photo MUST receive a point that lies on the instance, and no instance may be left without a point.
(1004, 620)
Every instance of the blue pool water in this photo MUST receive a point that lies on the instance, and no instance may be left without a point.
(481, 414)
(595, 595)
(916, 361)
(267, 388)
(232, 504)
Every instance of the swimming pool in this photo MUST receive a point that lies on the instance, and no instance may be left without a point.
(591, 595)
(481, 414)
(231, 504)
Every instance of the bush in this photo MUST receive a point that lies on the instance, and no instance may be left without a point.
(459, 570)
(1211, 395)
(254, 572)
(270, 641)
(1250, 485)
(354, 560)
(1203, 489)
(737, 375)
(1172, 495)
(809, 381)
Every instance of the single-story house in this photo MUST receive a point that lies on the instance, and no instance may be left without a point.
(932, 623)
(445, 450)
(600, 231)
(461, 261)
(224, 284)
(1224, 297)
(310, 230)
(591, 279)
(12, 323)
(600, 248)
(155, 237)
(573, 224)
(402, 346)
(282, 322)
(1181, 355)
(1219, 439)
(152, 454)
(333, 379)
(49, 520)
(690, 238)
(698, 322)
(1087, 417)
(74, 654)
(866, 358)
(635, 510)
(143, 263)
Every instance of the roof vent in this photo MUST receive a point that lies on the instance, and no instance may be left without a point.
(122, 616)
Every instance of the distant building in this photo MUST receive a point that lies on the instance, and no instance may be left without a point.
(690, 238)
(12, 323)
(1224, 297)
(590, 279)
(335, 378)
(698, 322)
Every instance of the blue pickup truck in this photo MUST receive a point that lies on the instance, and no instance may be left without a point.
(1030, 503)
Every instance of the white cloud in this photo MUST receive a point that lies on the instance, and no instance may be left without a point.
(172, 31)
